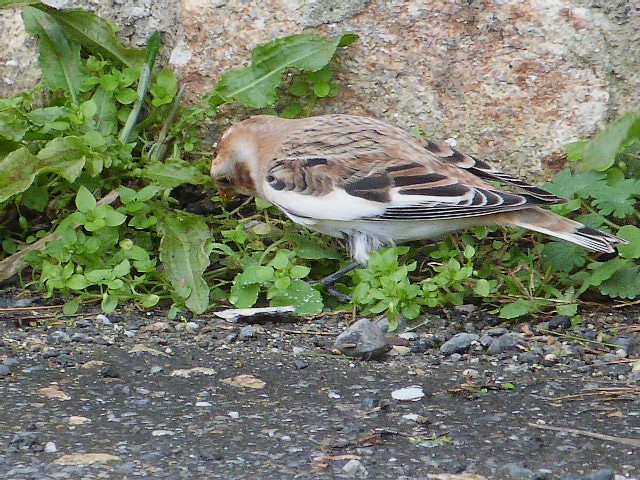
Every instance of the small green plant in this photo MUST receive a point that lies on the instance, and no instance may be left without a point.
(102, 168)
(93, 163)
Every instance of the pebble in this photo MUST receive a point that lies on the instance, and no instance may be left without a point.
(234, 414)
(470, 374)
(549, 360)
(560, 323)
(203, 404)
(300, 364)
(354, 467)
(508, 342)
(247, 332)
(409, 336)
(103, 319)
(50, 447)
(413, 393)
(362, 339)
(496, 332)
(156, 369)
(459, 343)
(530, 358)
(60, 336)
(192, 326)
(4, 371)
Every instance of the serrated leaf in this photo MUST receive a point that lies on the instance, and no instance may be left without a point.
(174, 173)
(569, 309)
(183, 256)
(631, 233)
(615, 200)
(566, 184)
(97, 35)
(624, 283)
(600, 153)
(309, 249)
(59, 58)
(256, 85)
(563, 256)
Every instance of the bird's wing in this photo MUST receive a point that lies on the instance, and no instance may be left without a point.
(371, 171)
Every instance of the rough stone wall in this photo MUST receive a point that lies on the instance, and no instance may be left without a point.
(509, 80)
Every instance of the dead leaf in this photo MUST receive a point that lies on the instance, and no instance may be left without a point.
(186, 373)
(54, 392)
(87, 459)
(245, 381)
(140, 348)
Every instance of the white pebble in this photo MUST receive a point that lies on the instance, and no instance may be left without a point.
(333, 394)
(50, 447)
(234, 414)
(203, 404)
(412, 393)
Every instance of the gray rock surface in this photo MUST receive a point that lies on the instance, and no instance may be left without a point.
(362, 339)
(508, 80)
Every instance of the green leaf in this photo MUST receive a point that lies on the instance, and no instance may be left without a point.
(174, 173)
(575, 151)
(64, 156)
(631, 233)
(517, 309)
(59, 58)
(304, 298)
(106, 111)
(309, 249)
(36, 197)
(563, 256)
(321, 89)
(255, 86)
(624, 283)
(151, 53)
(482, 288)
(164, 88)
(299, 271)
(71, 306)
(569, 309)
(244, 295)
(12, 126)
(600, 153)
(109, 303)
(97, 35)
(85, 201)
(183, 256)
(616, 199)
(348, 39)
(126, 96)
(77, 282)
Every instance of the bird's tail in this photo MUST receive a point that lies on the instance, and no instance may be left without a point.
(555, 225)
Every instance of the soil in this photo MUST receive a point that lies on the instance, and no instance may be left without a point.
(205, 398)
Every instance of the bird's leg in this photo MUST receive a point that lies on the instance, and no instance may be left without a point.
(328, 281)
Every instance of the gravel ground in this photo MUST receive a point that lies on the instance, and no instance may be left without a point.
(130, 395)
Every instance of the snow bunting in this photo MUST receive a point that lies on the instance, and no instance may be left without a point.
(372, 184)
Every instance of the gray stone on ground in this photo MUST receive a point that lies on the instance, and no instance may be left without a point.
(509, 342)
(362, 339)
(459, 343)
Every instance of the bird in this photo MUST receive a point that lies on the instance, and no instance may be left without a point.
(373, 184)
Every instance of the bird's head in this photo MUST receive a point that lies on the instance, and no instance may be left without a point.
(234, 167)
